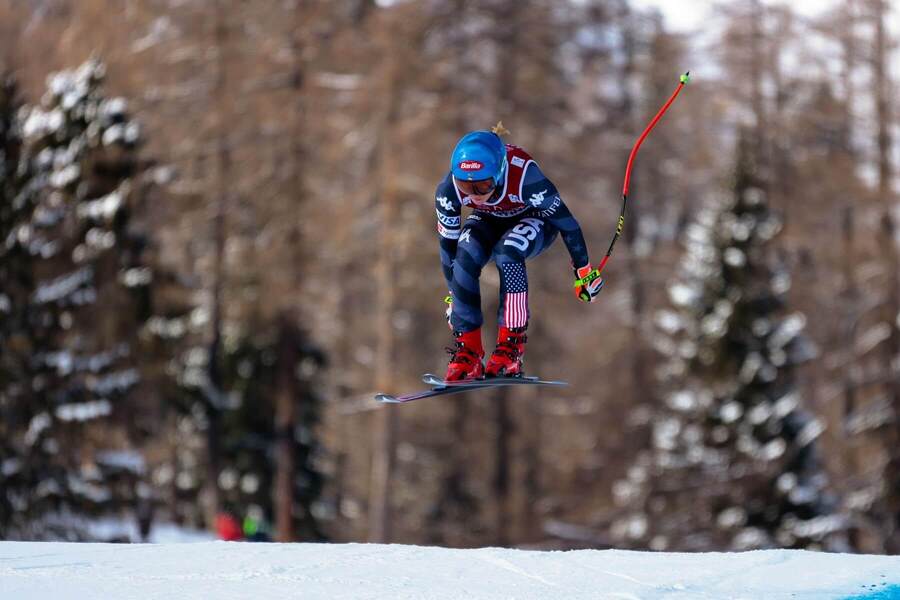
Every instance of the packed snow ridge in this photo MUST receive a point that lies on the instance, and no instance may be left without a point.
(42, 570)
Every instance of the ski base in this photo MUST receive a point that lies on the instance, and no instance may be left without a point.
(443, 388)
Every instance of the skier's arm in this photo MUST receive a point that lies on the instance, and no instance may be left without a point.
(449, 224)
(448, 253)
(544, 197)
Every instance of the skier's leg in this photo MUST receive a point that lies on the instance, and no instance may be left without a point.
(478, 238)
(525, 240)
(472, 253)
(528, 238)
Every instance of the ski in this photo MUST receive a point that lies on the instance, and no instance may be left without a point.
(434, 380)
(442, 388)
(438, 391)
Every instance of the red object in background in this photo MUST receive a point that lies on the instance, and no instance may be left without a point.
(228, 528)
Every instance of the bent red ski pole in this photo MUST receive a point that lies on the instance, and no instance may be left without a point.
(620, 225)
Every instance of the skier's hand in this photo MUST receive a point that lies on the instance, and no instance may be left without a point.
(588, 283)
(448, 300)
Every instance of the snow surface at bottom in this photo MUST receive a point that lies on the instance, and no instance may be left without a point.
(224, 570)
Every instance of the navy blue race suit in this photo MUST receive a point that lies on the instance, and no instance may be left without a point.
(519, 221)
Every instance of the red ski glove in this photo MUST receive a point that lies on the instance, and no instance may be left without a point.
(588, 283)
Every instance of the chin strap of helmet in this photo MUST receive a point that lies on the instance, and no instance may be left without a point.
(620, 225)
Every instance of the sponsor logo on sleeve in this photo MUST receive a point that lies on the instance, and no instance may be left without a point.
(517, 161)
(538, 198)
(464, 237)
(450, 234)
(552, 209)
(471, 165)
(445, 203)
(448, 221)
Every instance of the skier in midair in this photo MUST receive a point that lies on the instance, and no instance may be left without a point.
(517, 214)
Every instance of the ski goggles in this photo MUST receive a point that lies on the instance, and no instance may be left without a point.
(475, 188)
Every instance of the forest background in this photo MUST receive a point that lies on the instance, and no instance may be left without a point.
(218, 241)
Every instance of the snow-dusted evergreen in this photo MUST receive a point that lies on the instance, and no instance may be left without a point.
(15, 283)
(732, 461)
(69, 261)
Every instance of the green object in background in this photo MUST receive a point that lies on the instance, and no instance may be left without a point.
(686, 77)
(251, 526)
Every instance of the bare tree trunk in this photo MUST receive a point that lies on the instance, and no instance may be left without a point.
(384, 457)
(889, 252)
(531, 457)
(502, 466)
(454, 502)
(850, 319)
(171, 495)
(383, 462)
(848, 217)
(223, 157)
(287, 392)
(848, 63)
(777, 143)
(757, 67)
(851, 296)
(299, 45)
(285, 423)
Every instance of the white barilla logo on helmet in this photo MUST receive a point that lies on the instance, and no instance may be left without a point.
(470, 165)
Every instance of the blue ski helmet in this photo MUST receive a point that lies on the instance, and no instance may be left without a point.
(479, 155)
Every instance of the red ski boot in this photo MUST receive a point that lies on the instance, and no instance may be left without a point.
(465, 362)
(506, 361)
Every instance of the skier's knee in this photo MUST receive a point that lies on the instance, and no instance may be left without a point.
(469, 263)
(509, 257)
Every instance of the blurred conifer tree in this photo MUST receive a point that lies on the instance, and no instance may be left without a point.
(76, 293)
(732, 463)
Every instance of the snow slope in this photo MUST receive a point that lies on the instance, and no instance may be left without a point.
(223, 570)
